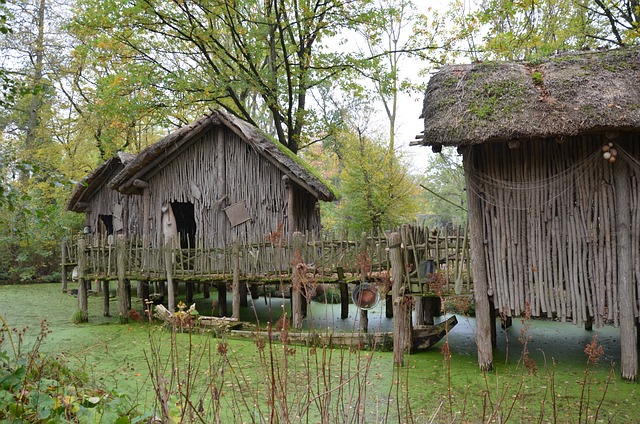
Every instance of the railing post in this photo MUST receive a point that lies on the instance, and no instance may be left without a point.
(168, 264)
(364, 314)
(401, 310)
(83, 303)
(121, 267)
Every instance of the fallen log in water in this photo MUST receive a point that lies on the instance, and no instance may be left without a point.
(422, 337)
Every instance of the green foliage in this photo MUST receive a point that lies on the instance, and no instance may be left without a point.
(80, 317)
(256, 59)
(507, 30)
(444, 192)
(376, 188)
(39, 388)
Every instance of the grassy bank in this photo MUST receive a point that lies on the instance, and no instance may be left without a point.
(245, 381)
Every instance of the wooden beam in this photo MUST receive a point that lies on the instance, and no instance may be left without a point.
(140, 183)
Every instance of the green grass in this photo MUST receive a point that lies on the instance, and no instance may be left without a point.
(432, 387)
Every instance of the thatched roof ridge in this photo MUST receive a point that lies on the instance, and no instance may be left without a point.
(157, 155)
(562, 96)
(96, 179)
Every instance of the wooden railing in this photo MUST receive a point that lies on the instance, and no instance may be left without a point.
(425, 252)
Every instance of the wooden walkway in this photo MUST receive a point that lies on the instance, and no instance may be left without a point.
(425, 251)
(429, 263)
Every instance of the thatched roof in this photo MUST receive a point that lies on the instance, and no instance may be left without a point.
(566, 95)
(156, 156)
(94, 181)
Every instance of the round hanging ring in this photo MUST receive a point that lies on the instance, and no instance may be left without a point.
(365, 296)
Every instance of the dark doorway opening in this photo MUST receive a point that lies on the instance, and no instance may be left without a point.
(105, 225)
(186, 223)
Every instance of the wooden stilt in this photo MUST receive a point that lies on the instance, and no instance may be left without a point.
(127, 285)
(492, 315)
(189, 291)
(168, 262)
(83, 302)
(222, 299)
(626, 296)
(344, 294)
(244, 291)
(144, 291)
(297, 280)
(255, 291)
(205, 291)
(389, 305)
(401, 328)
(63, 265)
(364, 314)
(235, 306)
(480, 280)
(105, 299)
(123, 294)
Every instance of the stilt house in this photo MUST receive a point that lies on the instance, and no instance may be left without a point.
(220, 179)
(551, 153)
(107, 212)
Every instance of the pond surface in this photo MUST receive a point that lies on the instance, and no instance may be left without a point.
(546, 340)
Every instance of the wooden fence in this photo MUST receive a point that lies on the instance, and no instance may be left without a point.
(425, 252)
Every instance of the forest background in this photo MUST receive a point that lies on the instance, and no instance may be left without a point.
(335, 81)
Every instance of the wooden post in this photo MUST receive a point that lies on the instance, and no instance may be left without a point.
(344, 294)
(389, 305)
(144, 291)
(244, 291)
(168, 264)
(235, 288)
(205, 291)
(480, 279)
(492, 314)
(364, 314)
(189, 289)
(419, 302)
(63, 260)
(222, 299)
(297, 280)
(401, 331)
(626, 295)
(83, 302)
(105, 299)
(121, 266)
(255, 291)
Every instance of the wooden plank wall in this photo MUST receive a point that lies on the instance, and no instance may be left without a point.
(247, 177)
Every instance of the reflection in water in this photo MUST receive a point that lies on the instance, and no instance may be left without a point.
(547, 339)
